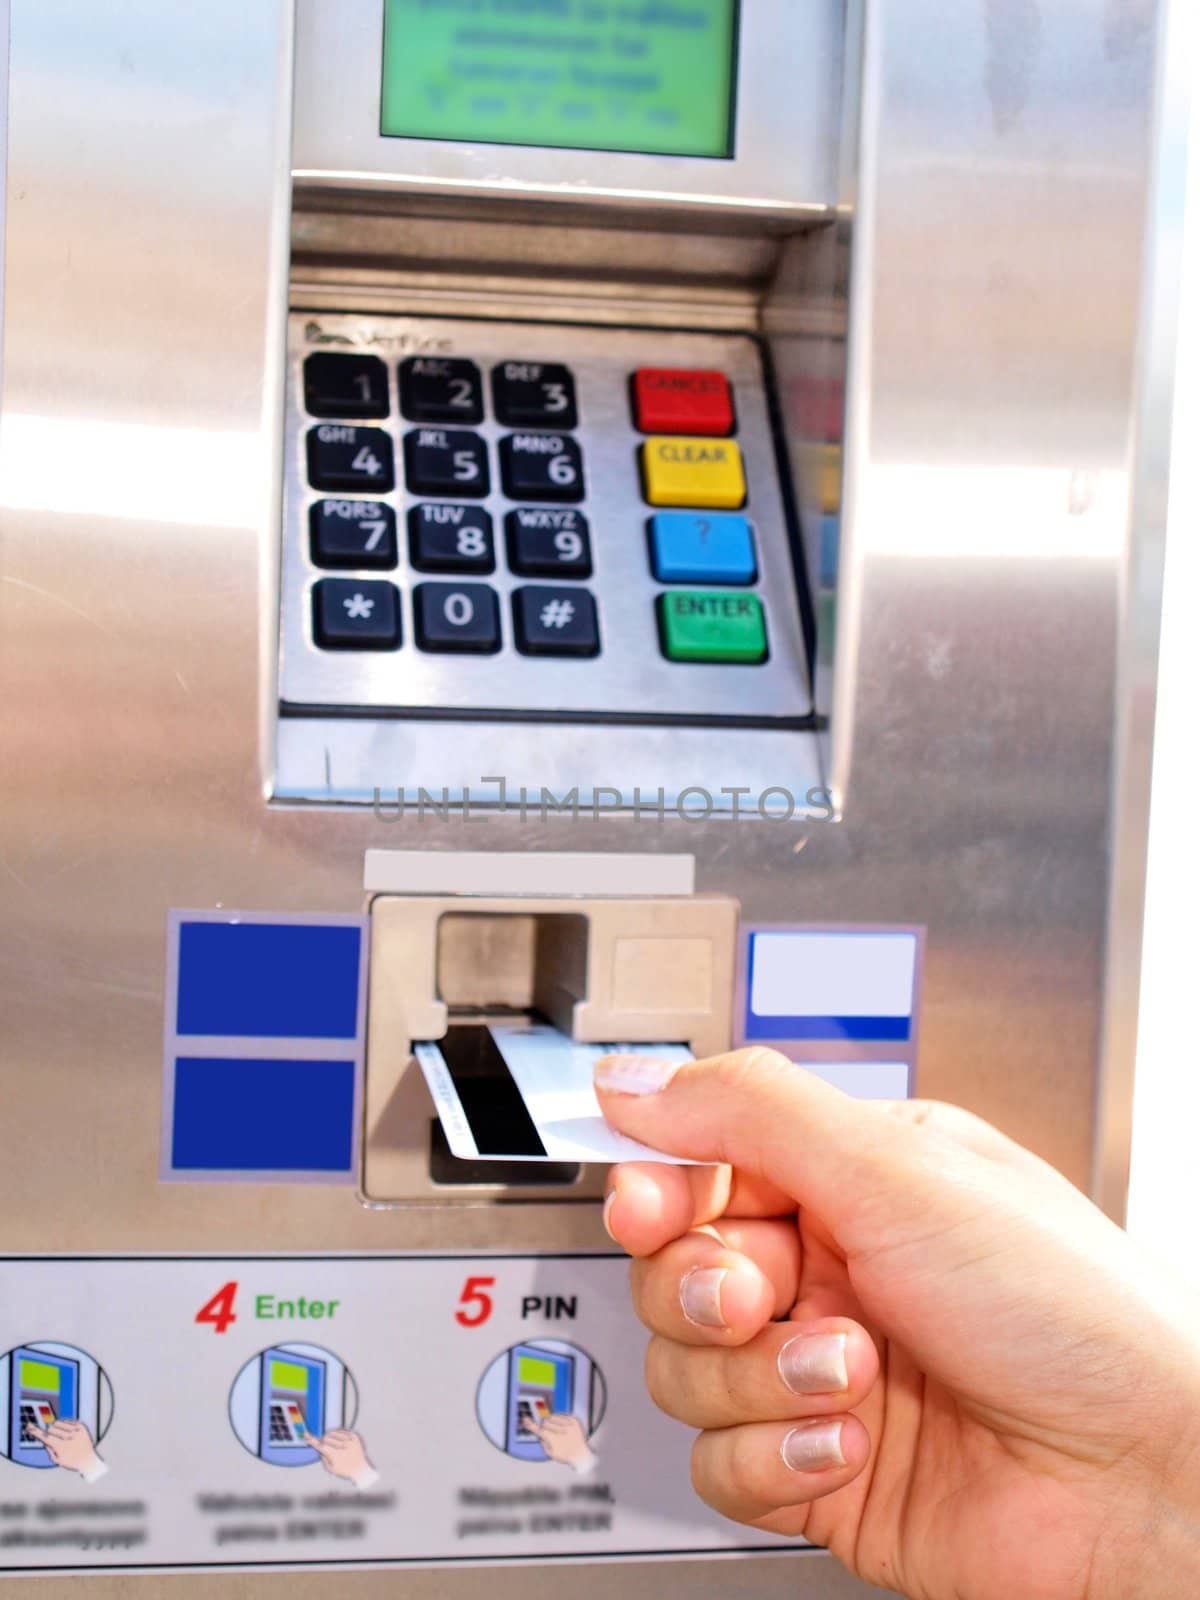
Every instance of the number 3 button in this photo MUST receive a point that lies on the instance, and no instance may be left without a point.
(459, 617)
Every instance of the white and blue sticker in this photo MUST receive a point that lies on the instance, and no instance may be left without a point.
(264, 1046)
(842, 999)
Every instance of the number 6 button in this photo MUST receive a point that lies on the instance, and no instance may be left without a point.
(459, 617)
(541, 466)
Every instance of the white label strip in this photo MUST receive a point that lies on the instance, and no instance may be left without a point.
(527, 873)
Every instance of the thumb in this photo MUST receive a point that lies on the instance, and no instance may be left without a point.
(851, 1162)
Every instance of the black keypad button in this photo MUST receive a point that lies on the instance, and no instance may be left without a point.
(541, 466)
(444, 538)
(533, 394)
(351, 458)
(555, 622)
(345, 386)
(434, 389)
(446, 461)
(356, 614)
(548, 543)
(459, 617)
(353, 533)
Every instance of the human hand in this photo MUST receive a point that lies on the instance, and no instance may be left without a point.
(564, 1440)
(977, 1390)
(344, 1454)
(69, 1445)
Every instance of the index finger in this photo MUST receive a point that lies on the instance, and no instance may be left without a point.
(649, 1204)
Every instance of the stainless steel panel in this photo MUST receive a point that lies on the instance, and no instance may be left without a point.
(789, 75)
(630, 677)
(993, 325)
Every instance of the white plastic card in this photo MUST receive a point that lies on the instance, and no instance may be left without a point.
(552, 1074)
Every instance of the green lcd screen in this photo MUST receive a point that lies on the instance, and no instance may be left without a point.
(39, 1375)
(287, 1375)
(539, 1374)
(655, 77)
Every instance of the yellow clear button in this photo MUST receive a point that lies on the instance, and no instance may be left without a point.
(701, 474)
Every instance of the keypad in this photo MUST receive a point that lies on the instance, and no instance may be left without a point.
(356, 614)
(541, 466)
(444, 538)
(555, 621)
(441, 390)
(546, 542)
(621, 517)
(459, 617)
(353, 533)
(337, 385)
(534, 394)
(446, 461)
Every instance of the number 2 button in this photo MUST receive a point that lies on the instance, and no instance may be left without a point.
(459, 617)
(341, 457)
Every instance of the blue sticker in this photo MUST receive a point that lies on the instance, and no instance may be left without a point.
(271, 1116)
(264, 1046)
(262, 980)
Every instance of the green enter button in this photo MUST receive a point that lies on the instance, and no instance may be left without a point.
(712, 625)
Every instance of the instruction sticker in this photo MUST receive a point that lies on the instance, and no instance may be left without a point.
(200, 1413)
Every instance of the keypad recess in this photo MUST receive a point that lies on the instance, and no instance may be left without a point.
(531, 519)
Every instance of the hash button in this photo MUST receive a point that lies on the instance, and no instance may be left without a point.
(555, 622)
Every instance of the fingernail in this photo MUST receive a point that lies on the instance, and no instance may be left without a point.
(700, 1296)
(815, 1363)
(814, 1447)
(606, 1215)
(640, 1075)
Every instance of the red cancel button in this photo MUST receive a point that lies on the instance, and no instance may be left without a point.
(673, 400)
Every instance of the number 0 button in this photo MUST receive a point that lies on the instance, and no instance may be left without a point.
(459, 617)
(446, 461)
(350, 458)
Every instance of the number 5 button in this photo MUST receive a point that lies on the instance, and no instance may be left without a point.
(446, 461)
(459, 617)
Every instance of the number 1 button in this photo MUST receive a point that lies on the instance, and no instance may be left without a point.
(459, 617)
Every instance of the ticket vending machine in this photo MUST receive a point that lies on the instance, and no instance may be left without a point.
(619, 520)
(43, 1389)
